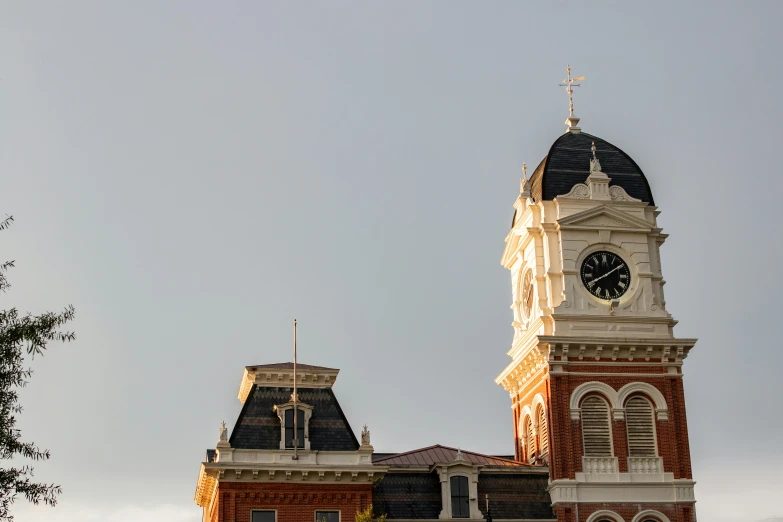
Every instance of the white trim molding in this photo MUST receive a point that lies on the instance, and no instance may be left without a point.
(459, 468)
(617, 399)
(623, 489)
(581, 391)
(280, 409)
(661, 409)
(537, 400)
(605, 513)
(650, 513)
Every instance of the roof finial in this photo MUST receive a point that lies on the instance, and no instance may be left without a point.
(569, 84)
(524, 183)
(595, 165)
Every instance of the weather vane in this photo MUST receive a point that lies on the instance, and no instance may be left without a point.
(569, 84)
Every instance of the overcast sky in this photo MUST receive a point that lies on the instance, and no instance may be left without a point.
(193, 175)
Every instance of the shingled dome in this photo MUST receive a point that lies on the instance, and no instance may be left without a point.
(568, 163)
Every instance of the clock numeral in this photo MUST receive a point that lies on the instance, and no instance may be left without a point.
(623, 276)
(598, 291)
(603, 259)
(607, 294)
(621, 284)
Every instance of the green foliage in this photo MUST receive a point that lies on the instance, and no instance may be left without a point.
(17, 333)
(367, 516)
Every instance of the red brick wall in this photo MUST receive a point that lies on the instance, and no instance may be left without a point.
(294, 502)
(566, 435)
(674, 512)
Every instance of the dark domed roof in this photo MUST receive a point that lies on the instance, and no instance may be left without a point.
(568, 163)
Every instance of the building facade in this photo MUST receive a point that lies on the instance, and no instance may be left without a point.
(595, 380)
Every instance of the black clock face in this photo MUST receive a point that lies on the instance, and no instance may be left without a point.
(605, 275)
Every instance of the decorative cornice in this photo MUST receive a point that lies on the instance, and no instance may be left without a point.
(213, 472)
(284, 377)
(553, 353)
(205, 487)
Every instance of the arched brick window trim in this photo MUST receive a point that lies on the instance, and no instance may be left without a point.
(652, 515)
(525, 415)
(600, 516)
(539, 413)
(643, 388)
(588, 388)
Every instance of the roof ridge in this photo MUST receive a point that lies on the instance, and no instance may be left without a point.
(393, 455)
(419, 450)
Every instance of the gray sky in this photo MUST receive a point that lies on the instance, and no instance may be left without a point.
(191, 176)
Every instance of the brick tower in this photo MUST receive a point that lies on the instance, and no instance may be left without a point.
(596, 373)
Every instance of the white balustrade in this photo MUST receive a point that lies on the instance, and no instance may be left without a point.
(645, 465)
(599, 465)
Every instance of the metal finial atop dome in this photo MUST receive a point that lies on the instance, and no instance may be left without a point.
(569, 84)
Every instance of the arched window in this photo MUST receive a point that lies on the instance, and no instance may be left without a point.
(543, 432)
(596, 432)
(531, 440)
(640, 425)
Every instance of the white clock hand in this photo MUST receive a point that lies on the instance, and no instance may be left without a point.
(606, 274)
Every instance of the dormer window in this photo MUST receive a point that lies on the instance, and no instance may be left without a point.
(285, 412)
(289, 428)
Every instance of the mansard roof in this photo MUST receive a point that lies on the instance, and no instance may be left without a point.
(438, 454)
(258, 426)
(568, 163)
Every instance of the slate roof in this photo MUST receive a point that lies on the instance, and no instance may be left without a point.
(258, 426)
(568, 163)
(438, 454)
(407, 495)
(518, 492)
(515, 496)
(289, 366)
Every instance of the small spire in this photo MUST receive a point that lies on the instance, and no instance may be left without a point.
(459, 455)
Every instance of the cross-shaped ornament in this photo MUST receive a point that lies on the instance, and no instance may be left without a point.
(569, 84)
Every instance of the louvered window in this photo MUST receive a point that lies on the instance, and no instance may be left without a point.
(531, 440)
(596, 432)
(641, 427)
(543, 432)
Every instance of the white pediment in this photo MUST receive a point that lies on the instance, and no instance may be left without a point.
(604, 217)
(509, 253)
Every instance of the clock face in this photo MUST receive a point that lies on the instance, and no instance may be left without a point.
(527, 293)
(605, 275)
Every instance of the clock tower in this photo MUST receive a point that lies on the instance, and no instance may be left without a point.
(595, 377)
